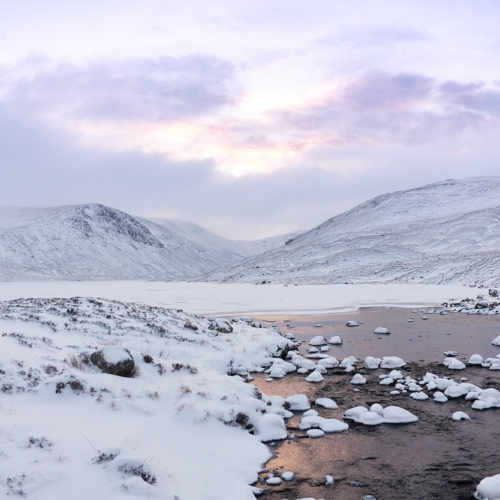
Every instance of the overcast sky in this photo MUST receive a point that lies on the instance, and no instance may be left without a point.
(249, 118)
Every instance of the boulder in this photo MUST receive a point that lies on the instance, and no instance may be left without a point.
(221, 325)
(114, 360)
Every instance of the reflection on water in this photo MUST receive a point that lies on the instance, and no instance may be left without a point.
(420, 340)
(433, 458)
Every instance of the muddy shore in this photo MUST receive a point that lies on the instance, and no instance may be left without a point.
(435, 457)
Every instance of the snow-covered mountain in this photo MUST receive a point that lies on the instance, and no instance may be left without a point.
(193, 232)
(95, 242)
(447, 232)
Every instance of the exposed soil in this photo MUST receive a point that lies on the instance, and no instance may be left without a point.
(435, 457)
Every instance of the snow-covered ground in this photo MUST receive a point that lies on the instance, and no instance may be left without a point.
(447, 232)
(178, 429)
(229, 299)
(187, 424)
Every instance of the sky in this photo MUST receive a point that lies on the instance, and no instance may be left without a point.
(249, 118)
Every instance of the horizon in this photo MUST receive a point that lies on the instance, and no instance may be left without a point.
(33, 207)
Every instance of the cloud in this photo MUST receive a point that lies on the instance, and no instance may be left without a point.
(375, 35)
(474, 97)
(195, 109)
(382, 91)
(163, 89)
(42, 166)
(381, 108)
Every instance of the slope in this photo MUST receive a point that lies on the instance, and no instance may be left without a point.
(95, 242)
(193, 232)
(447, 232)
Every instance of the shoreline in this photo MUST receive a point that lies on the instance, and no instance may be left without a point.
(432, 458)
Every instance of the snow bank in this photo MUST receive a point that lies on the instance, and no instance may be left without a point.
(188, 392)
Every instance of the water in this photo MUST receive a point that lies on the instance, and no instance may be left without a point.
(433, 458)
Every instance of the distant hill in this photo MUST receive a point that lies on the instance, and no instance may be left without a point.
(193, 232)
(95, 242)
(447, 232)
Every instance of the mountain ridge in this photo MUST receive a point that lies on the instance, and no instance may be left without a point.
(96, 242)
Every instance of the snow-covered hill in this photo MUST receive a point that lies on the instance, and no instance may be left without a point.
(193, 232)
(178, 428)
(95, 242)
(447, 232)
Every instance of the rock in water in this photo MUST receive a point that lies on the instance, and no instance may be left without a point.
(114, 360)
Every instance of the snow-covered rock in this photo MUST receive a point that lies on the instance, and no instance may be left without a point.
(392, 362)
(315, 433)
(329, 362)
(390, 415)
(381, 329)
(371, 363)
(496, 341)
(420, 396)
(455, 364)
(439, 397)
(315, 376)
(270, 427)
(358, 379)
(335, 340)
(325, 424)
(326, 403)
(488, 488)
(301, 362)
(114, 360)
(352, 323)
(318, 340)
(298, 402)
(349, 361)
(476, 359)
(221, 325)
(460, 415)
(273, 481)
(386, 381)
